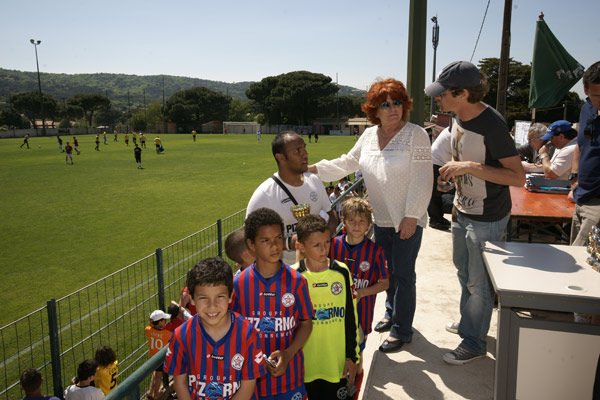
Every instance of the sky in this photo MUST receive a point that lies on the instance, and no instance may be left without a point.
(235, 41)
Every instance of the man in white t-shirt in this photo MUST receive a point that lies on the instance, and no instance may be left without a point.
(290, 154)
(563, 137)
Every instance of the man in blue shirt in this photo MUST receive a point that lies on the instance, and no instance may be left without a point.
(584, 178)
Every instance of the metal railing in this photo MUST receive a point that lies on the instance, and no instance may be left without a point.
(112, 311)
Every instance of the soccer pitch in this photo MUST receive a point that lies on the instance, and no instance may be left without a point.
(65, 226)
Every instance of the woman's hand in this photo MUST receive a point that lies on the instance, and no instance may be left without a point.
(312, 169)
(407, 227)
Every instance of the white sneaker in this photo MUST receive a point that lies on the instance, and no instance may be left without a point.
(452, 327)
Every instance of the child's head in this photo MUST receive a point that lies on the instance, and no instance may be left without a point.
(314, 237)
(357, 207)
(174, 310)
(105, 356)
(86, 370)
(212, 271)
(237, 250)
(31, 380)
(158, 318)
(264, 235)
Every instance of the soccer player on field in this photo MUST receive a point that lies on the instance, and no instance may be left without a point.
(143, 140)
(367, 264)
(68, 153)
(331, 351)
(216, 354)
(115, 133)
(275, 299)
(76, 145)
(104, 137)
(126, 139)
(157, 144)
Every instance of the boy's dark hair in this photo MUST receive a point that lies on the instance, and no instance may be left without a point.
(310, 224)
(591, 76)
(173, 310)
(105, 356)
(260, 217)
(86, 369)
(235, 244)
(212, 271)
(31, 380)
(476, 93)
(156, 323)
(278, 143)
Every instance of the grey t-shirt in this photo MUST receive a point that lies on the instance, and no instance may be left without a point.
(484, 139)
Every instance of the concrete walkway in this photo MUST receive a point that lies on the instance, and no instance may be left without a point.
(418, 371)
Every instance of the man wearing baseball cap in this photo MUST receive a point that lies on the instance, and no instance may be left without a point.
(484, 163)
(563, 137)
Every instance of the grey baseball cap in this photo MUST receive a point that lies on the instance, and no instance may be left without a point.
(459, 74)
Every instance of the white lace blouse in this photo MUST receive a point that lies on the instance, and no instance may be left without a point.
(399, 178)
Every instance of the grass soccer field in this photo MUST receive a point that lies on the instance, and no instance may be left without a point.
(65, 226)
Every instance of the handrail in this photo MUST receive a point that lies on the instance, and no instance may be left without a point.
(344, 194)
(130, 388)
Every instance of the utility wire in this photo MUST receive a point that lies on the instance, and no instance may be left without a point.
(480, 29)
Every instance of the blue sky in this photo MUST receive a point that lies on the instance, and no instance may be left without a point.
(235, 41)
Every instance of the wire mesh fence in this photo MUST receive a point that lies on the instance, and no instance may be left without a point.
(112, 311)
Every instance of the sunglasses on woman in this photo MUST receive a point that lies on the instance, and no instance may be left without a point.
(386, 104)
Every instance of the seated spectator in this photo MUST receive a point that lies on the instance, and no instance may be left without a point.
(563, 137)
(82, 390)
(529, 151)
(31, 382)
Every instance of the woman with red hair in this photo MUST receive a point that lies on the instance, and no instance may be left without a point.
(394, 156)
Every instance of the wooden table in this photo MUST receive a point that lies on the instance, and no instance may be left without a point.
(539, 357)
(541, 211)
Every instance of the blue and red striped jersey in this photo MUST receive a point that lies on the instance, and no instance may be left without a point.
(275, 306)
(215, 369)
(368, 265)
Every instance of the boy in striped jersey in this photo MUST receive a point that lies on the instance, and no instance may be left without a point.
(216, 354)
(275, 299)
(366, 262)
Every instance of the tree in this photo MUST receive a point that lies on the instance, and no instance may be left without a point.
(12, 119)
(197, 106)
(28, 103)
(517, 93)
(138, 121)
(293, 98)
(89, 103)
(107, 116)
(240, 111)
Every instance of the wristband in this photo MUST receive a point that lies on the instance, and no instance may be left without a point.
(543, 156)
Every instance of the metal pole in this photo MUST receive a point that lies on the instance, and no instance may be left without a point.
(160, 279)
(54, 347)
(220, 236)
(435, 38)
(415, 82)
(337, 103)
(35, 45)
(504, 59)
(163, 110)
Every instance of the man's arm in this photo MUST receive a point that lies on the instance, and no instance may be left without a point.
(574, 170)
(511, 173)
(333, 221)
(284, 356)
(180, 383)
(544, 153)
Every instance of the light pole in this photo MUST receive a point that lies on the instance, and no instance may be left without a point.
(35, 44)
(435, 38)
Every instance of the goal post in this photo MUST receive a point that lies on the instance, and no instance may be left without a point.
(232, 127)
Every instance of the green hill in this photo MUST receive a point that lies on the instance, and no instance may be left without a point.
(117, 86)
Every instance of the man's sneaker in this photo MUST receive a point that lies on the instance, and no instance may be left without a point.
(452, 327)
(460, 356)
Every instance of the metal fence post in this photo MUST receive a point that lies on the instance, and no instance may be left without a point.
(160, 279)
(220, 236)
(54, 348)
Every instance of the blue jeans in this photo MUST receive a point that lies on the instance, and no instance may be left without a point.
(477, 298)
(401, 256)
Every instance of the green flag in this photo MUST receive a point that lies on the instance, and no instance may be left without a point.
(553, 70)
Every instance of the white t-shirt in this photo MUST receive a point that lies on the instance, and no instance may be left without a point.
(441, 148)
(561, 160)
(75, 392)
(270, 195)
